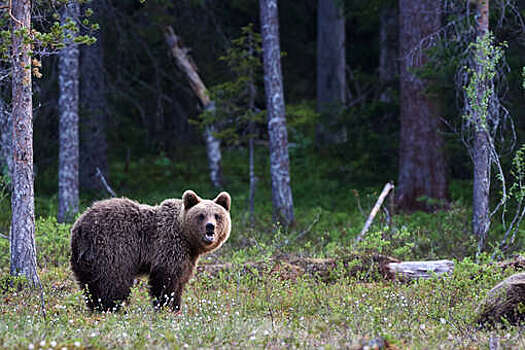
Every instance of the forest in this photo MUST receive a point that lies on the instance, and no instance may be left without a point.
(370, 156)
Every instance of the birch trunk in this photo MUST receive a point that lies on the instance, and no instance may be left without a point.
(273, 86)
(251, 196)
(6, 149)
(331, 77)
(22, 234)
(68, 124)
(481, 149)
(93, 119)
(213, 149)
(422, 171)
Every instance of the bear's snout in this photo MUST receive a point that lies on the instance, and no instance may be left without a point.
(210, 232)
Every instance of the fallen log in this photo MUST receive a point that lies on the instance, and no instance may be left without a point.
(331, 269)
(421, 269)
(516, 263)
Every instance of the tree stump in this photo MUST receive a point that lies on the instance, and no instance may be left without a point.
(506, 301)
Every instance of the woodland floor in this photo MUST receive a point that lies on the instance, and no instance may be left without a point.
(236, 309)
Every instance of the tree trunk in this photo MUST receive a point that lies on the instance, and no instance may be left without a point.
(273, 86)
(251, 130)
(251, 196)
(388, 51)
(422, 171)
(481, 150)
(68, 126)
(213, 149)
(213, 144)
(22, 235)
(331, 78)
(93, 145)
(6, 149)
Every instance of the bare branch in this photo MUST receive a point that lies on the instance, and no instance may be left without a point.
(104, 182)
(388, 187)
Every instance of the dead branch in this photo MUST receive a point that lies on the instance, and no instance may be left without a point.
(4, 236)
(185, 64)
(104, 182)
(388, 187)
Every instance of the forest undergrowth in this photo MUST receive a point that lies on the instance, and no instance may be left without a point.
(237, 309)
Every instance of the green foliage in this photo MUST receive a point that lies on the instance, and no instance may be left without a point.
(48, 35)
(517, 189)
(52, 244)
(480, 88)
(244, 309)
(235, 99)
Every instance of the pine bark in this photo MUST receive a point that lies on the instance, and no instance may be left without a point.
(422, 170)
(388, 50)
(22, 235)
(331, 78)
(93, 118)
(273, 86)
(481, 147)
(68, 124)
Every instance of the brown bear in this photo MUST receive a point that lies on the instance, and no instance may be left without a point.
(115, 240)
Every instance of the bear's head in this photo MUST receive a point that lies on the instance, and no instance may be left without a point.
(207, 222)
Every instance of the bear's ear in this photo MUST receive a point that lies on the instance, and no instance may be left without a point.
(190, 199)
(224, 200)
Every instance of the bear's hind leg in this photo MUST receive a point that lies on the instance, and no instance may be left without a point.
(106, 295)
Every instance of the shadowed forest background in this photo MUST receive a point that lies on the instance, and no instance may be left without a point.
(373, 92)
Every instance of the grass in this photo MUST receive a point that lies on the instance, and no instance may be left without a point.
(235, 309)
(245, 311)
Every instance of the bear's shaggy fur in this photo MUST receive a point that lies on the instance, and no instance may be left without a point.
(117, 239)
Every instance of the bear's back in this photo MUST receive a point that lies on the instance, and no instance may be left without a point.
(115, 220)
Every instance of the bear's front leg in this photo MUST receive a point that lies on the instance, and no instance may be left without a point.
(166, 289)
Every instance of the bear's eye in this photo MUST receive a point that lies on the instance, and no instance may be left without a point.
(201, 217)
(217, 217)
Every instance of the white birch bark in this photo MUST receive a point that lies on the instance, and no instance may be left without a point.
(68, 123)
(213, 149)
(481, 148)
(273, 86)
